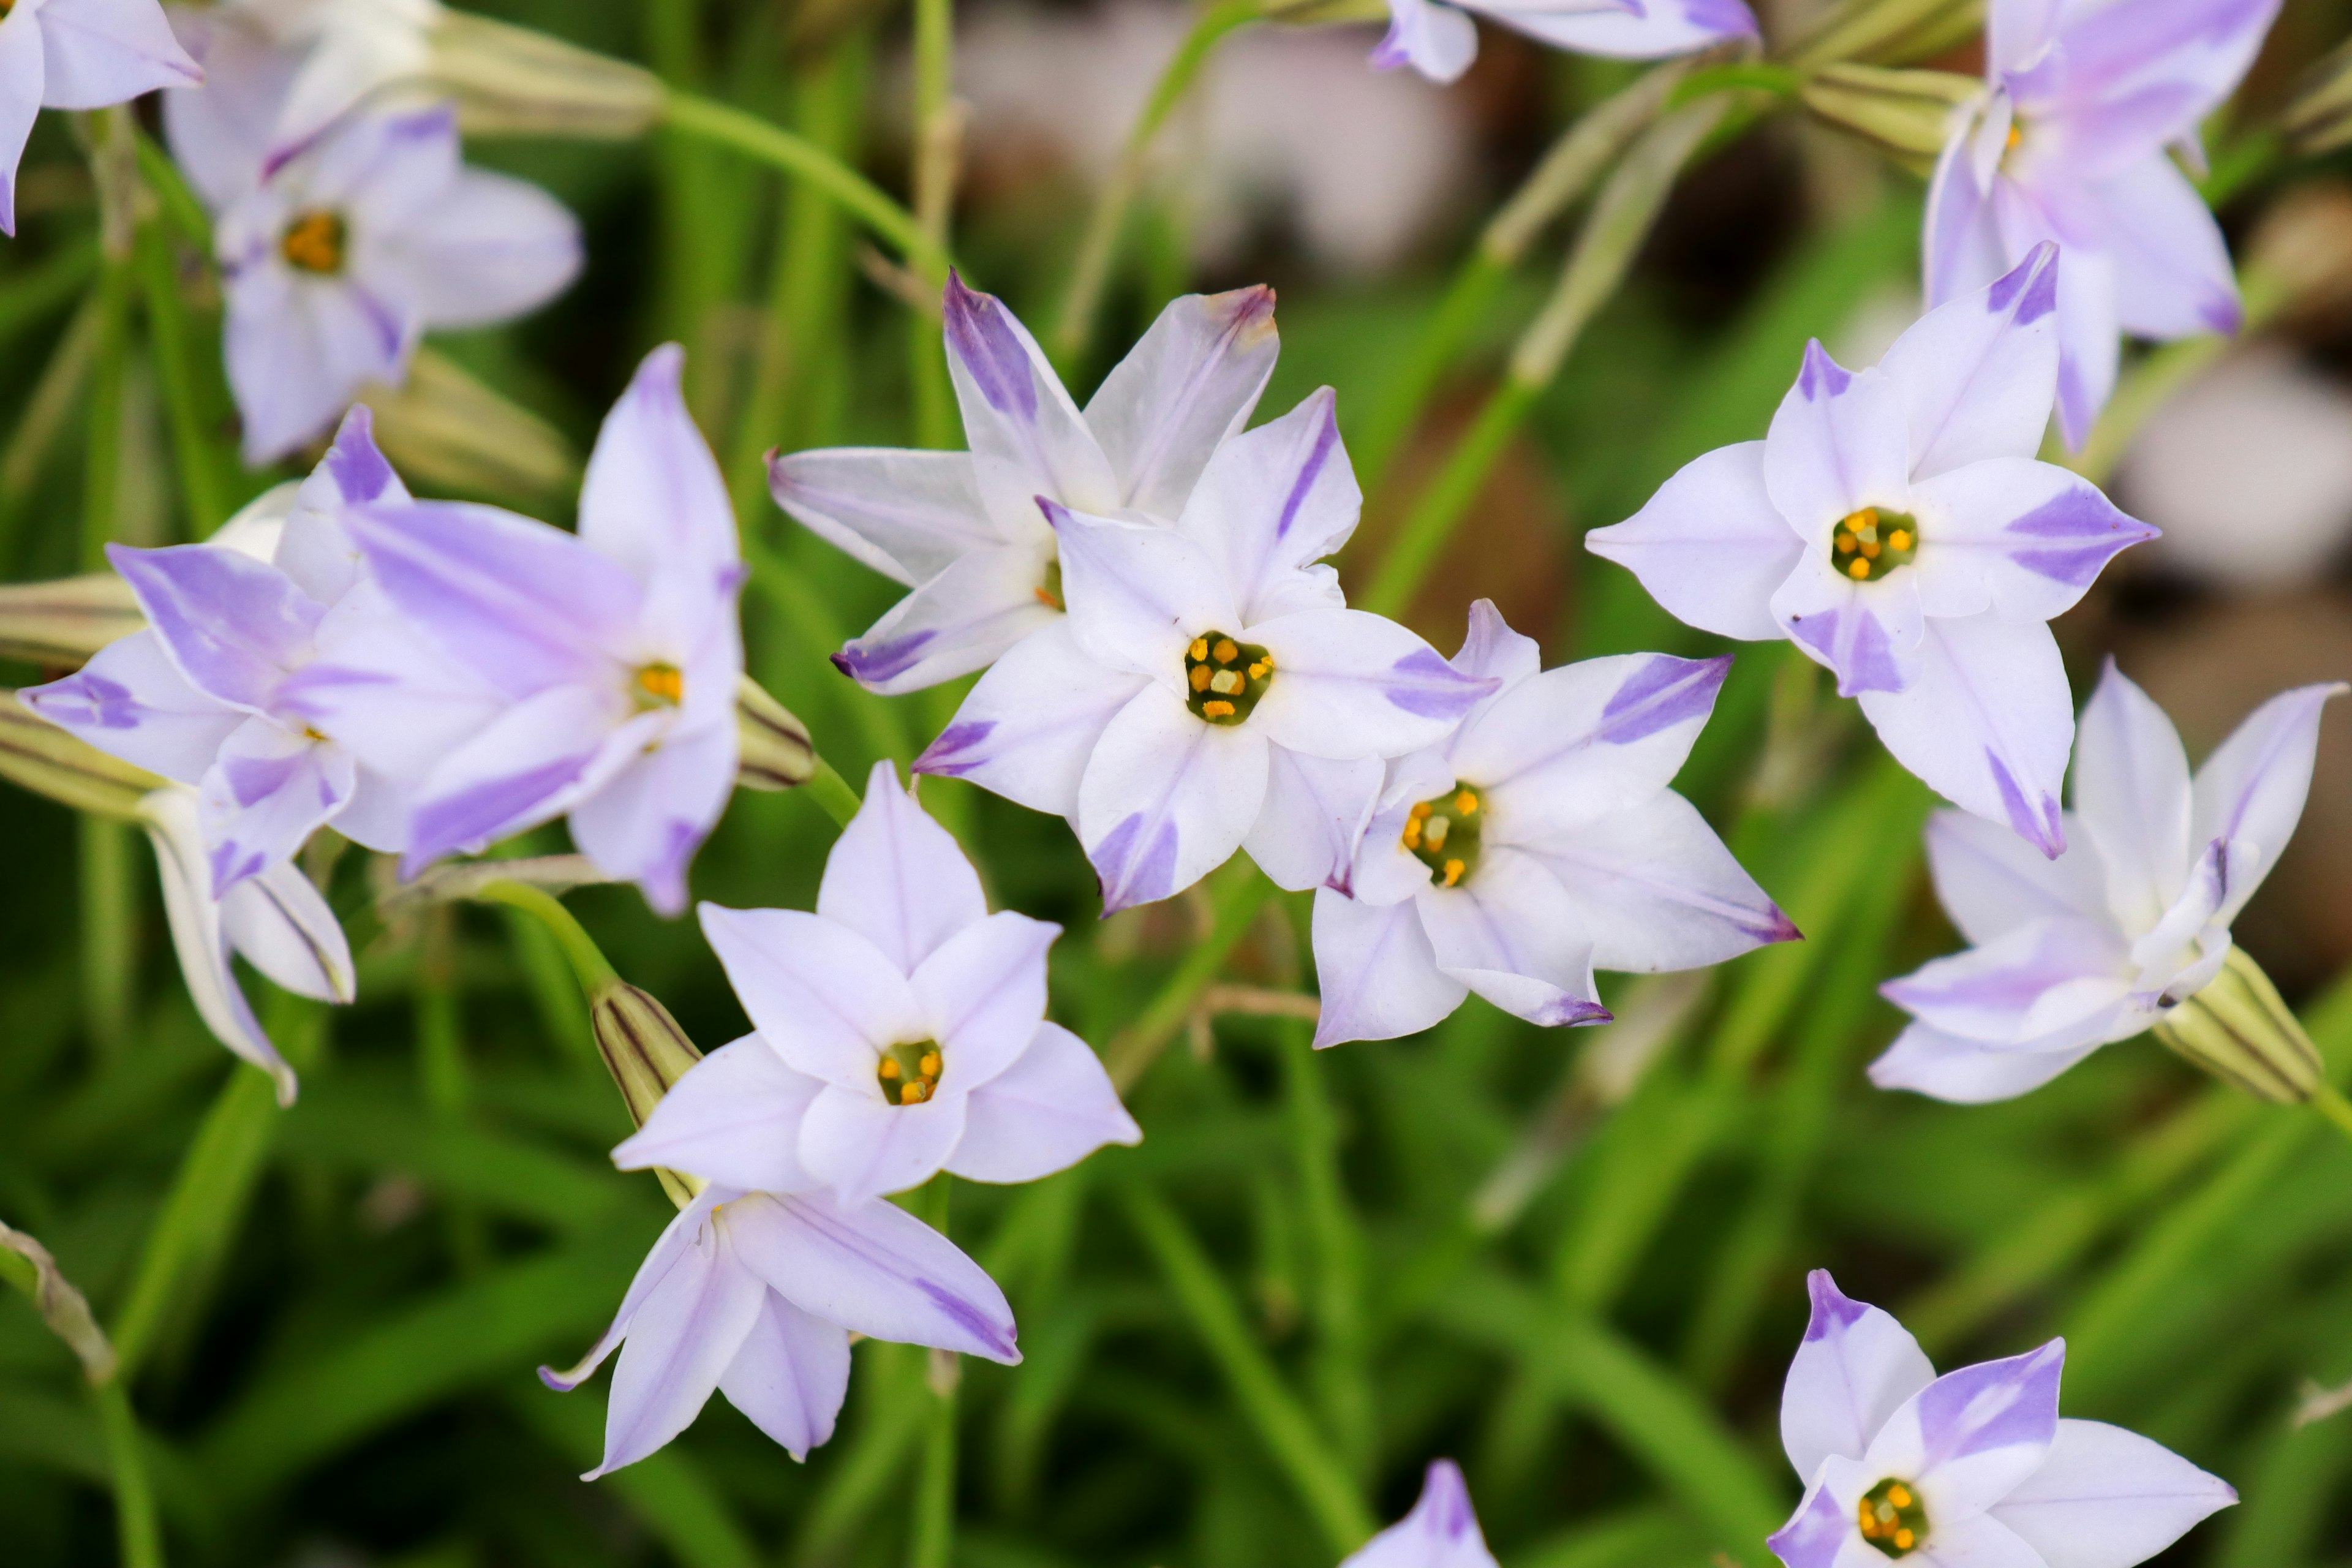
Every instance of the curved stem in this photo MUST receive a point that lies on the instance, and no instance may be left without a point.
(805, 159)
(933, 1544)
(136, 1528)
(831, 791)
(589, 964)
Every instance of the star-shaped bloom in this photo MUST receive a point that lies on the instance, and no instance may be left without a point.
(1438, 39)
(2068, 145)
(1896, 525)
(1210, 690)
(963, 528)
(338, 260)
(1537, 842)
(276, 921)
(755, 1295)
(2133, 919)
(613, 652)
(901, 1032)
(1441, 1531)
(77, 54)
(1973, 1467)
(216, 694)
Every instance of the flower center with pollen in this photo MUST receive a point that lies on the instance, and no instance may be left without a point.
(314, 242)
(1892, 1517)
(1049, 588)
(909, 1072)
(1870, 543)
(658, 686)
(1223, 678)
(1443, 835)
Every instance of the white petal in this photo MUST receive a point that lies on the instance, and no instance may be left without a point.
(528, 765)
(1349, 684)
(1982, 1541)
(2251, 791)
(1987, 722)
(791, 1375)
(489, 249)
(131, 701)
(966, 618)
(1967, 1072)
(1306, 833)
(2131, 795)
(1990, 882)
(1051, 1107)
(908, 515)
(676, 1240)
(1839, 442)
(1273, 501)
(1649, 31)
(1139, 593)
(1027, 439)
(1978, 376)
(267, 792)
(1658, 889)
(897, 877)
(1436, 40)
(2017, 537)
(1188, 384)
(1868, 633)
(22, 74)
(1710, 546)
(645, 822)
(1855, 1368)
(826, 998)
(1167, 798)
(864, 1147)
(2107, 1498)
(220, 135)
(1028, 727)
(1968, 1438)
(2173, 276)
(2049, 986)
(101, 52)
(734, 1118)
(983, 992)
(1491, 650)
(876, 1269)
(681, 1339)
(283, 927)
(1441, 1531)
(197, 939)
(653, 499)
(1962, 248)
(1512, 935)
(1377, 971)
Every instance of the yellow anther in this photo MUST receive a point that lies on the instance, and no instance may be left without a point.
(1466, 803)
(1199, 650)
(1419, 812)
(1412, 832)
(1845, 543)
(1867, 518)
(932, 1065)
(909, 1072)
(1871, 548)
(664, 684)
(2016, 136)
(1216, 709)
(1257, 671)
(314, 242)
(1859, 570)
(1899, 541)
(1199, 678)
(1905, 1541)
(1899, 1495)
(1227, 651)
(1454, 869)
(888, 1068)
(915, 1094)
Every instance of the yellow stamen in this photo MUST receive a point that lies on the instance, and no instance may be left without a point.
(1199, 650)
(2016, 136)
(315, 242)
(1454, 869)
(888, 1068)
(1466, 803)
(932, 1065)
(664, 683)
(1227, 651)
(1899, 541)
(1214, 708)
(1899, 1495)
(915, 1094)
(1199, 678)
(1859, 571)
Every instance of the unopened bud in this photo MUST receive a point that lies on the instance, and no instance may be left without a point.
(1886, 32)
(48, 761)
(1907, 114)
(63, 1307)
(442, 424)
(2239, 1030)
(61, 624)
(2320, 118)
(773, 750)
(647, 1052)
(511, 81)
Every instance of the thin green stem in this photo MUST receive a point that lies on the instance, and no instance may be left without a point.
(1237, 894)
(109, 929)
(831, 791)
(933, 1541)
(1343, 1387)
(136, 1526)
(805, 159)
(2329, 1101)
(589, 964)
(201, 486)
(938, 136)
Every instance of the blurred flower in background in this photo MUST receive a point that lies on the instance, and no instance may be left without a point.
(1440, 40)
(77, 54)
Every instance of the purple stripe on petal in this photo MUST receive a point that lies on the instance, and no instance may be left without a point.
(958, 750)
(1815, 1534)
(990, 351)
(1993, 1404)
(2042, 829)
(2086, 532)
(1832, 1308)
(1725, 19)
(476, 813)
(2037, 276)
(1391, 52)
(2225, 313)
(254, 778)
(228, 870)
(1821, 375)
(85, 700)
(1132, 871)
(969, 1318)
(873, 663)
(1870, 660)
(358, 468)
(1663, 693)
(1325, 440)
(1569, 1011)
(1433, 689)
(1446, 1497)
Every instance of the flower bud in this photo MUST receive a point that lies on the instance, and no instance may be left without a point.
(2239, 1030)
(1886, 32)
(1907, 114)
(64, 1308)
(47, 761)
(646, 1052)
(2320, 118)
(61, 624)
(511, 81)
(442, 425)
(773, 748)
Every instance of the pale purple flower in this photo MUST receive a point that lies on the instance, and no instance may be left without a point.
(613, 652)
(963, 528)
(1971, 1469)
(340, 54)
(1438, 39)
(337, 261)
(276, 921)
(1209, 691)
(901, 1032)
(77, 54)
(1535, 843)
(1441, 1531)
(1896, 525)
(754, 1295)
(216, 693)
(2099, 944)
(2082, 100)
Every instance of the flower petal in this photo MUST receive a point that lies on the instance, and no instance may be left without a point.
(681, 1339)
(1841, 441)
(1968, 1072)
(1273, 501)
(1377, 971)
(2105, 1498)
(791, 1375)
(101, 52)
(131, 701)
(2131, 795)
(1441, 1531)
(676, 1240)
(1026, 729)
(486, 248)
(1821, 1534)
(734, 1118)
(965, 618)
(1027, 439)
(1436, 40)
(283, 927)
(863, 1147)
(1867, 633)
(233, 626)
(983, 993)
(1987, 722)
(1710, 546)
(1649, 30)
(2251, 791)
(1138, 593)
(654, 501)
(1967, 1439)
(2021, 538)
(1306, 833)
(2049, 986)
(1491, 650)
(527, 766)
(1511, 933)
(876, 1270)
(220, 133)
(1978, 376)
(822, 994)
(267, 792)
(1051, 1109)
(898, 878)
(1962, 249)
(22, 76)
(644, 823)
(1855, 1368)
(1349, 684)
(1167, 798)
(197, 937)
(1188, 385)
(908, 515)
(2173, 275)
(1991, 882)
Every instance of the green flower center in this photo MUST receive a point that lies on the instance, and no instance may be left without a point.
(909, 1072)
(1049, 590)
(315, 242)
(1892, 1517)
(1223, 678)
(1870, 543)
(1443, 835)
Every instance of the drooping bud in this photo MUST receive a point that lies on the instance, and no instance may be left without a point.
(1907, 114)
(48, 761)
(772, 747)
(61, 624)
(2320, 118)
(444, 426)
(2238, 1029)
(63, 1307)
(511, 81)
(646, 1052)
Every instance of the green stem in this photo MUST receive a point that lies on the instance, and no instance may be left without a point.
(1338, 1252)
(109, 930)
(2329, 1101)
(1237, 894)
(136, 1526)
(937, 153)
(1304, 1454)
(805, 159)
(1100, 248)
(167, 334)
(831, 791)
(595, 972)
(933, 1542)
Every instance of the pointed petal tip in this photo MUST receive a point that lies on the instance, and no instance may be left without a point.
(1833, 1308)
(1781, 928)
